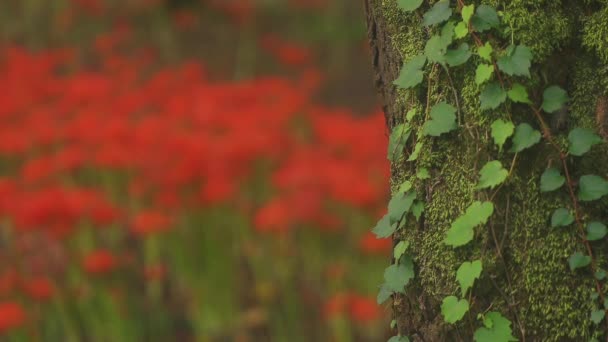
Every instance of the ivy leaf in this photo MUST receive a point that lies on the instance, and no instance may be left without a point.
(384, 228)
(600, 275)
(485, 18)
(409, 5)
(443, 120)
(416, 152)
(554, 98)
(491, 175)
(467, 13)
(525, 137)
(411, 73)
(400, 249)
(492, 96)
(581, 141)
(561, 218)
(417, 209)
(447, 33)
(458, 56)
(485, 52)
(551, 180)
(597, 316)
(596, 231)
(397, 276)
(399, 339)
(399, 205)
(461, 30)
(440, 12)
(453, 309)
(517, 61)
(483, 73)
(435, 50)
(383, 294)
(499, 330)
(501, 131)
(397, 140)
(423, 173)
(592, 187)
(578, 260)
(467, 273)
(461, 231)
(519, 93)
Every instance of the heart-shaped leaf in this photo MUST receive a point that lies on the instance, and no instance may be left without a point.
(578, 260)
(596, 231)
(411, 73)
(499, 330)
(592, 187)
(501, 131)
(561, 218)
(467, 273)
(485, 51)
(440, 12)
(409, 5)
(399, 205)
(519, 93)
(492, 96)
(483, 73)
(551, 180)
(397, 276)
(443, 120)
(453, 309)
(461, 231)
(384, 228)
(485, 18)
(581, 141)
(517, 61)
(491, 175)
(554, 98)
(525, 137)
(458, 56)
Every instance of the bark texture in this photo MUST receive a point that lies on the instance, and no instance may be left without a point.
(526, 275)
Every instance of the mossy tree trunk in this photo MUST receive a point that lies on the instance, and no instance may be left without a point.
(526, 274)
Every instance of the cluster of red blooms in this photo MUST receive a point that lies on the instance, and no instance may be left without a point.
(177, 141)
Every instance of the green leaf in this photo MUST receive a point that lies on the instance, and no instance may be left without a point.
(461, 230)
(525, 137)
(501, 131)
(443, 120)
(416, 152)
(578, 260)
(467, 273)
(397, 276)
(409, 5)
(417, 209)
(458, 56)
(383, 294)
(399, 339)
(600, 275)
(410, 114)
(597, 316)
(499, 330)
(491, 175)
(483, 73)
(411, 73)
(423, 173)
(592, 187)
(384, 228)
(399, 205)
(517, 61)
(561, 218)
(399, 249)
(467, 13)
(492, 96)
(554, 98)
(447, 33)
(453, 309)
(581, 141)
(485, 52)
(519, 93)
(404, 187)
(461, 30)
(440, 12)
(485, 18)
(551, 180)
(397, 141)
(596, 231)
(436, 49)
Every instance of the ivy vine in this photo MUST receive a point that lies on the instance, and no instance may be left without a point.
(499, 74)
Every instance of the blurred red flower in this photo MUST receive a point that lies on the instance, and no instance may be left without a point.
(370, 244)
(99, 262)
(12, 316)
(363, 309)
(150, 222)
(38, 288)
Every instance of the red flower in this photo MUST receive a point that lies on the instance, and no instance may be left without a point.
(150, 222)
(363, 309)
(99, 262)
(12, 316)
(274, 217)
(370, 244)
(38, 288)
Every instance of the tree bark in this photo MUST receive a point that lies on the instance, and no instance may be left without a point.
(526, 275)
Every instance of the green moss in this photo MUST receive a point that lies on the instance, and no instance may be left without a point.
(549, 301)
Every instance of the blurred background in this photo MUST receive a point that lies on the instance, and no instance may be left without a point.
(189, 170)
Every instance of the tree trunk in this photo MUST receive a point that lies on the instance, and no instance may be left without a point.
(526, 274)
